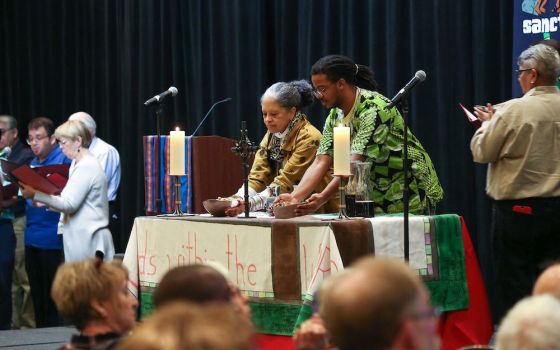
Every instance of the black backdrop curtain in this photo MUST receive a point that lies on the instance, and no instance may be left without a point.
(108, 56)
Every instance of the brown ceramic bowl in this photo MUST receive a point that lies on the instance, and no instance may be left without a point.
(285, 212)
(216, 207)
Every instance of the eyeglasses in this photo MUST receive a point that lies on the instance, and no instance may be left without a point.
(519, 71)
(320, 91)
(30, 140)
(432, 312)
(62, 142)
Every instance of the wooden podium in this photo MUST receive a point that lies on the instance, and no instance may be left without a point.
(214, 171)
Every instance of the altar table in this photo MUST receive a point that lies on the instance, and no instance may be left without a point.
(279, 264)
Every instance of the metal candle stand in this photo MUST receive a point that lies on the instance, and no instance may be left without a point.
(342, 215)
(245, 148)
(177, 211)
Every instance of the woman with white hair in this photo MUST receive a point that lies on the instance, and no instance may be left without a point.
(83, 202)
(287, 149)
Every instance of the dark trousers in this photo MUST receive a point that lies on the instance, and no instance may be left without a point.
(41, 266)
(526, 239)
(7, 255)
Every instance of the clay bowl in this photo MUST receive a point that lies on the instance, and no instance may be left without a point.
(285, 212)
(216, 207)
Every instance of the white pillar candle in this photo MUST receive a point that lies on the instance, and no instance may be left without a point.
(341, 150)
(177, 152)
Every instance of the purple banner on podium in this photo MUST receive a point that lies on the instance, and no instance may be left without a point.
(158, 164)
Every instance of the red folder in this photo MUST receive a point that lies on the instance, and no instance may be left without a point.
(471, 117)
(57, 173)
(7, 168)
(9, 191)
(39, 182)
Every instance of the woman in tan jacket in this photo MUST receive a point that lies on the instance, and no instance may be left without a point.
(287, 149)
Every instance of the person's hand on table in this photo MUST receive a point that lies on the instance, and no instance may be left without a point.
(234, 211)
(311, 335)
(311, 205)
(285, 198)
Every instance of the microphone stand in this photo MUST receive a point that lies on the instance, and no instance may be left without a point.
(245, 148)
(403, 104)
(159, 112)
(208, 113)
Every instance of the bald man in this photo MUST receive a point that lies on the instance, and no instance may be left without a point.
(376, 304)
(549, 282)
(107, 155)
(109, 159)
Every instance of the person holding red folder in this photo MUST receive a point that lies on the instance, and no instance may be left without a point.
(43, 246)
(83, 201)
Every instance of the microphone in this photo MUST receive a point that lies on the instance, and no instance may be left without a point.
(419, 77)
(208, 113)
(158, 98)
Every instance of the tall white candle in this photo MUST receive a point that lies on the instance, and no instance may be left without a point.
(341, 150)
(177, 152)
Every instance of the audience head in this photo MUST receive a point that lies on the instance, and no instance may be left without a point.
(282, 100)
(549, 282)
(531, 324)
(238, 299)
(194, 283)
(72, 137)
(9, 131)
(93, 295)
(183, 325)
(388, 307)
(539, 65)
(40, 136)
(88, 121)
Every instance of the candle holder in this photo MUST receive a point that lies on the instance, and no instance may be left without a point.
(245, 148)
(342, 215)
(177, 211)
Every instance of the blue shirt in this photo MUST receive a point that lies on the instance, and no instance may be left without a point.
(42, 224)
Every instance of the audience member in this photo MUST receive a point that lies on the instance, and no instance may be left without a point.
(83, 200)
(43, 245)
(195, 283)
(376, 133)
(93, 295)
(523, 172)
(15, 151)
(238, 299)
(548, 282)
(110, 161)
(531, 324)
(183, 325)
(375, 304)
(13, 280)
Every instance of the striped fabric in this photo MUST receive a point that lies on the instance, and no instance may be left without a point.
(165, 187)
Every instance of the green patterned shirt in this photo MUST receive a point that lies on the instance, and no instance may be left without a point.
(377, 134)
